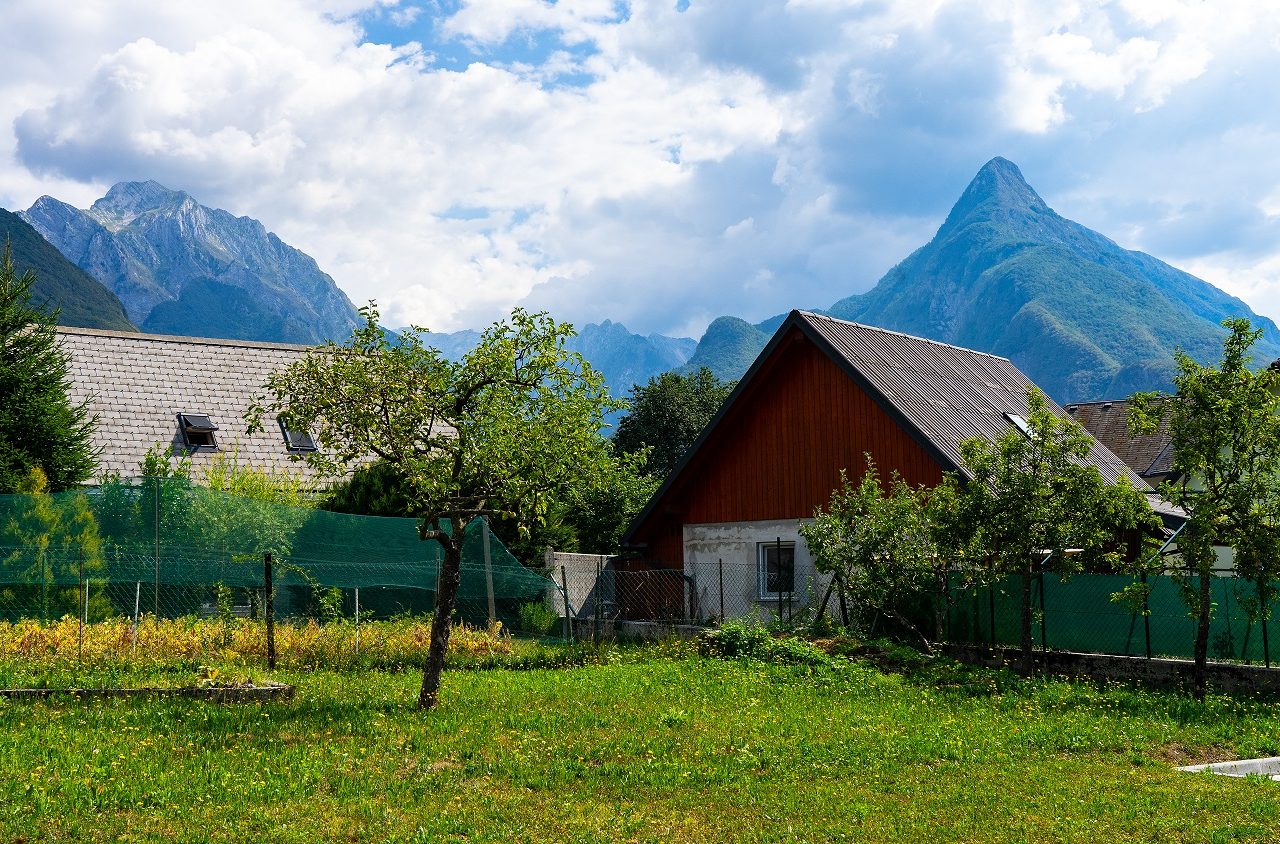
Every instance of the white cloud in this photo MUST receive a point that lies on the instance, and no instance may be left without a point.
(725, 159)
(354, 152)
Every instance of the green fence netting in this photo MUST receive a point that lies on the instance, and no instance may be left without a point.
(175, 548)
(1079, 615)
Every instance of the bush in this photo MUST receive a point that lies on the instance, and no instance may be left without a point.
(748, 638)
(537, 618)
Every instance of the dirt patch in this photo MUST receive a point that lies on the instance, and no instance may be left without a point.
(1179, 754)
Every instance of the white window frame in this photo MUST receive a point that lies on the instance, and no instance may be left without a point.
(762, 569)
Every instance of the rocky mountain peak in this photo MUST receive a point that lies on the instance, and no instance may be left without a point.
(182, 268)
(126, 201)
(997, 187)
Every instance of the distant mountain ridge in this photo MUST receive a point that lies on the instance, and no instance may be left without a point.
(623, 358)
(1081, 316)
(80, 299)
(180, 267)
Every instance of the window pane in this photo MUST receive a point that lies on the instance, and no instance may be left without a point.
(779, 568)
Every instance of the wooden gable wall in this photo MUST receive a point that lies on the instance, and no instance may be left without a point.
(778, 452)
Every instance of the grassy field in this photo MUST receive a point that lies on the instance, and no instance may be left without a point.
(649, 745)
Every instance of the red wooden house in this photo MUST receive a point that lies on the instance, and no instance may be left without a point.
(822, 394)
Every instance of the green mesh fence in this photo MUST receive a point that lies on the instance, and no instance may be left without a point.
(1079, 615)
(176, 549)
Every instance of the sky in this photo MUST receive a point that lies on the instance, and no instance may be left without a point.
(654, 163)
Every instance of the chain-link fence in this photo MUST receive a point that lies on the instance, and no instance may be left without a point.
(619, 589)
(170, 549)
(1079, 614)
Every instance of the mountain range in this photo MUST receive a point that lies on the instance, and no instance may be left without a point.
(180, 267)
(623, 358)
(1080, 315)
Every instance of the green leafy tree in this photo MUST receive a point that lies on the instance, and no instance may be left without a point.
(667, 414)
(589, 517)
(504, 432)
(880, 546)
(1224, 427)
(1034, 505)
(39, 425)
(375, 489)
(599, 513)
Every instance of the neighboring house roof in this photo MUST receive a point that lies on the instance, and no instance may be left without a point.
(1150, 455)
(940, 394)
(138, 384)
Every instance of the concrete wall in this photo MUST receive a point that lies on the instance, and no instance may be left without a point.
(580, 580)
(737, 545)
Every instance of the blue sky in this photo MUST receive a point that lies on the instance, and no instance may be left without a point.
(657, 164)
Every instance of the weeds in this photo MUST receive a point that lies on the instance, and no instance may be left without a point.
(748, 638)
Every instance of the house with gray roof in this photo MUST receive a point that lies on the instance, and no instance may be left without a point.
(1150, 455)
(188, 394)
(823, 396)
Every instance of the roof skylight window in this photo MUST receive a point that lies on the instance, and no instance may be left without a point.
(1020, 423)
(297, 441)
(197, 431)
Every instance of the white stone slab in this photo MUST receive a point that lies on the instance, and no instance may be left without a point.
(1268, 767)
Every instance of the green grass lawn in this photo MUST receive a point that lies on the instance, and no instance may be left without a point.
(643, 748)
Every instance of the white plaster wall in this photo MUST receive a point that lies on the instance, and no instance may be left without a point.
(736, 544)
(1223, 566)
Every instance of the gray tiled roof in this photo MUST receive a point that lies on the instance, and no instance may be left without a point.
(137, 385)
(1150, 455)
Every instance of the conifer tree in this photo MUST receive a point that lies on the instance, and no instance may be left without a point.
(39, 425)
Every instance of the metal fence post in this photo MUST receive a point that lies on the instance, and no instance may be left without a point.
(137, 601)
(1146, 614)
(84, 600)
(156, 524)
(357, 620)
(564, 591)
(599, 615)
(44, 584)
(271, 610)
(1264, 601)
(991, 602)
(721, 564)
(695, 606)
(1044, 617)
(488, 574)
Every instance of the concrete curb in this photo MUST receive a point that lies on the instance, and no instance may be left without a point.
(1223, 676)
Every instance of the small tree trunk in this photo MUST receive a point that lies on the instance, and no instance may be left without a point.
(1028, 663)
(1200, 675)
(446, 600)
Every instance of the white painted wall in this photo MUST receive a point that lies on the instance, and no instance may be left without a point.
(737, 545)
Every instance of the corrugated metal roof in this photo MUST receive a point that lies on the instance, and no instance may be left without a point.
(949, 394)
